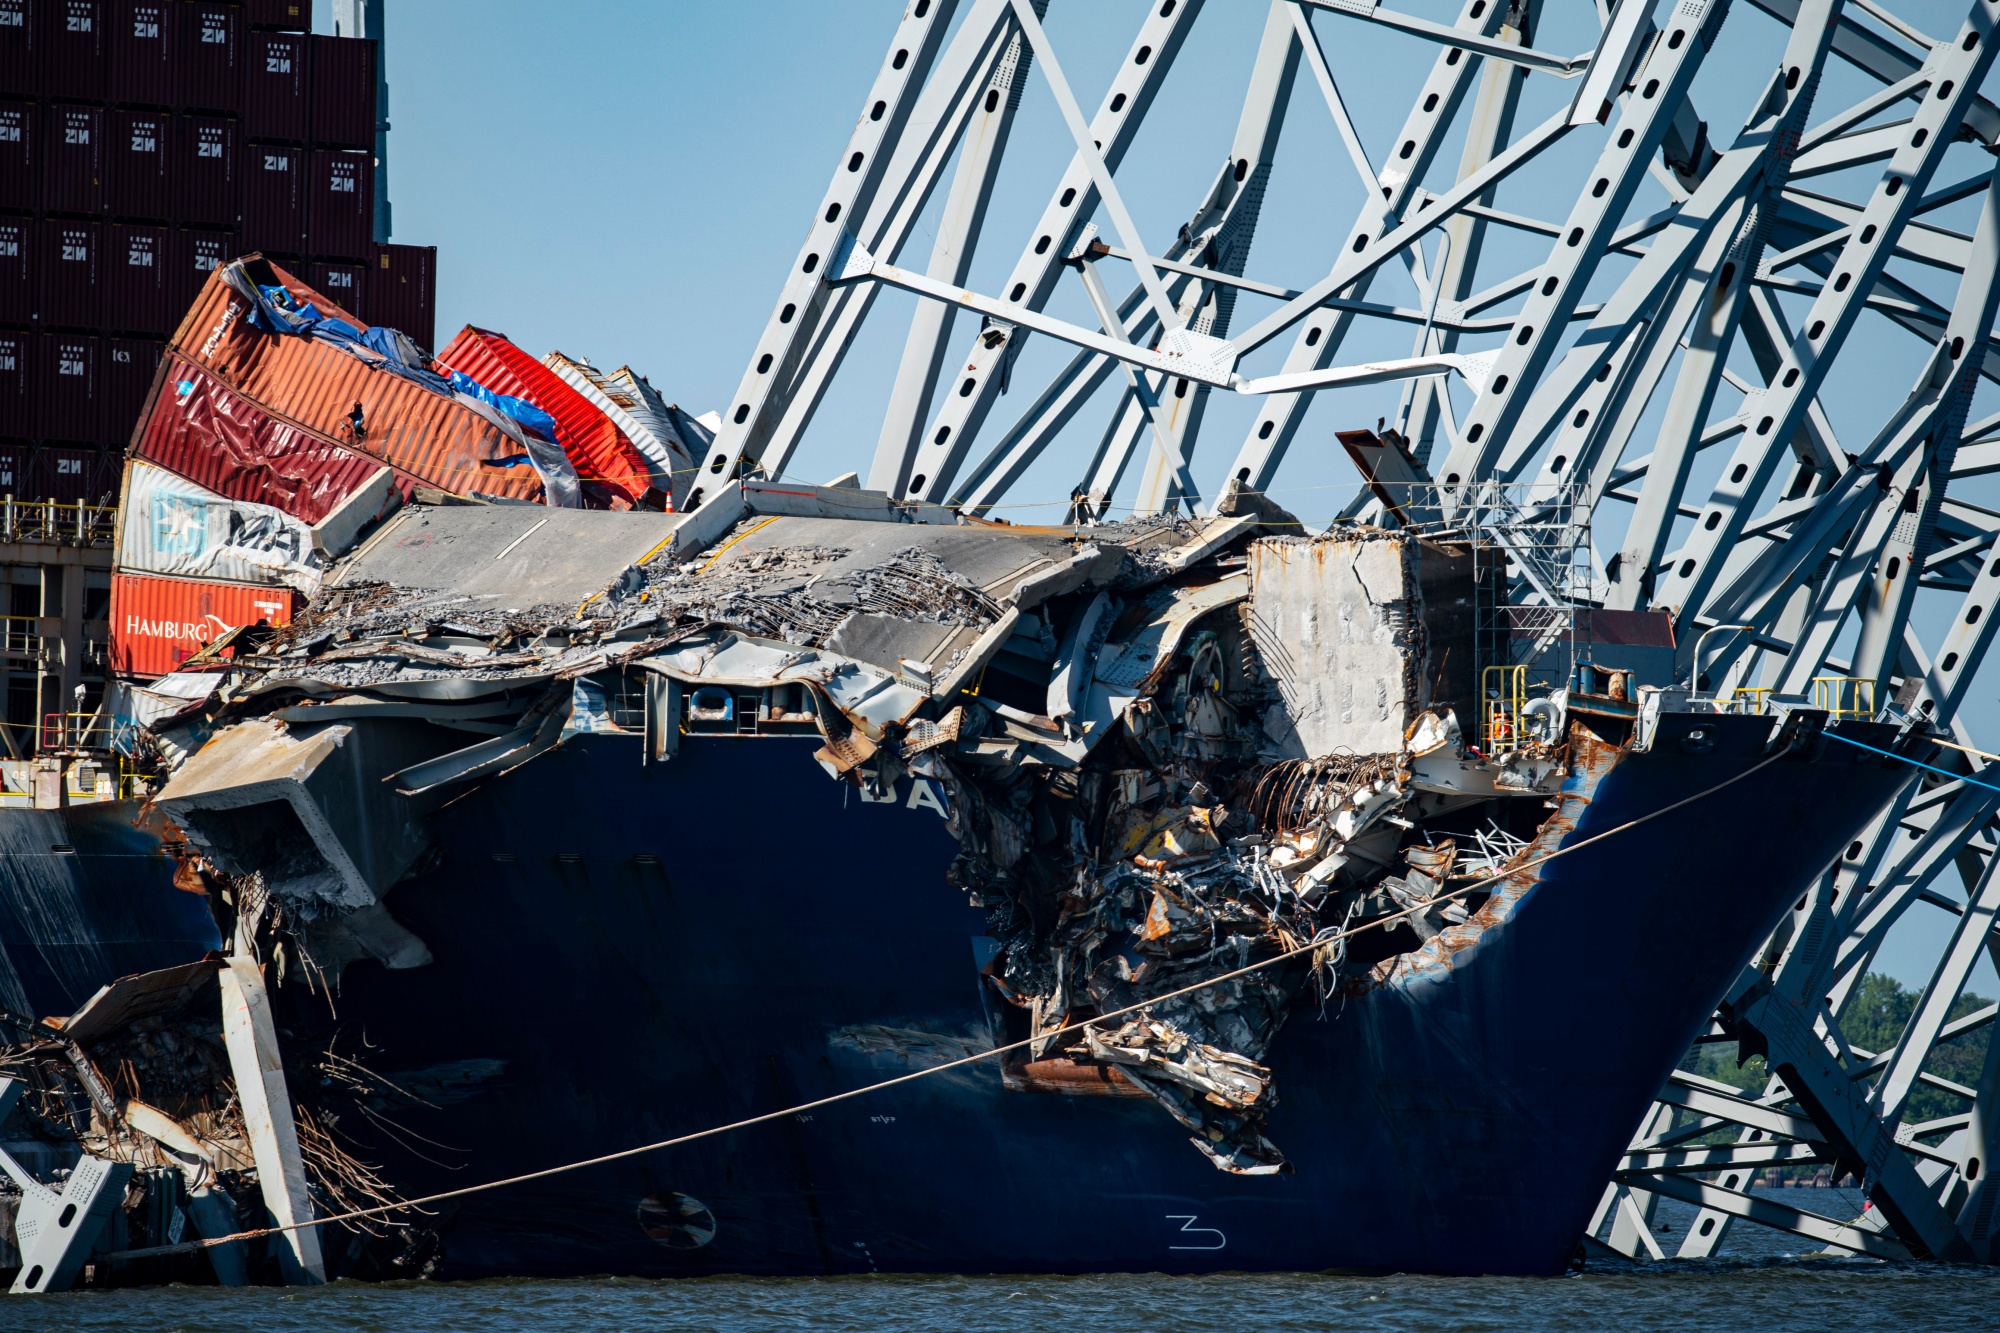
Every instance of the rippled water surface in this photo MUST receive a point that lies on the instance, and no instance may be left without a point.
(1764, 1281)
(1766, 1295)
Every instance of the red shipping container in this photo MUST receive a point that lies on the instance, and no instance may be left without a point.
(137, 145)
(73, 159)
(604, 459)
(343, 92)
(345, 283)
(20, 62)
(208, 53)
(140, 71)
(159, 623)
(402, 292)
(204, 171)
(274, 215)
(128, 368)
(66, 403)
(284, 15)
(274, 94)
(135, 280)
(340, 205)
(18, 252)
(17, 382)
(221, 440)
(20, 154)
(66, 474)
(72, 274)
(192, 256)
(70, 43)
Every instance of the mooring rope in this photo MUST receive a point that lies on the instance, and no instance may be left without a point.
(1318, 942)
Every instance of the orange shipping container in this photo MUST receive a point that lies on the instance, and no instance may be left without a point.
(316, 386)
(158, 623)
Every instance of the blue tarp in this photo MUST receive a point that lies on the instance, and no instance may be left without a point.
(530, 417)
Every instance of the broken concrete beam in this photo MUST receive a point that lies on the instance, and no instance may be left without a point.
(306, 806)
(259, 1070)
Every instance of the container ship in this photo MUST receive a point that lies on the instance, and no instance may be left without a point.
(494, 769)
(532, 832)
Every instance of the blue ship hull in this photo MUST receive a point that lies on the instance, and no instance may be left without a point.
(624, 954)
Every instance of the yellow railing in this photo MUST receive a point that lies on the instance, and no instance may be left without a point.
(1844, 696)
(57, 522)
(1502, 690)
(1748, 699)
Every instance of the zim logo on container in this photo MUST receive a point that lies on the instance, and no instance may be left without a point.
(277, 162)
(144, 137)
(214, 30)
(70, 362)
(208, 143)
(277, 64)
(10, 127)
(146, 23)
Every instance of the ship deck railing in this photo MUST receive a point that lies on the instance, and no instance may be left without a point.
(57, 522)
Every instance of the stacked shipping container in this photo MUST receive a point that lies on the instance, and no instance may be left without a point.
(143, 142)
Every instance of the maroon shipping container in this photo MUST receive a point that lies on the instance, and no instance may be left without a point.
(128, 369)
(20, 152)
(72, 263)
(66, 404)
(283, 15)
(402, 291)
(274, 215)
(68, 473)
(201, 430)
(193, 255)
(73, 159)
(340, 208)
(137, 149)
(14, 457)
(70, 43)
(17, 382)
(343, 283)
(140, 71)
(274, 93)
(135, 280)
(20, 63)
(343, 92)
(209, 57)
(204, 170)
(18, 253)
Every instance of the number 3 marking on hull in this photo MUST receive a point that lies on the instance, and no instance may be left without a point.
(1188, 1228)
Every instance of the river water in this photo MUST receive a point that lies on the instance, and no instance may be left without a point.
(1763, 1281)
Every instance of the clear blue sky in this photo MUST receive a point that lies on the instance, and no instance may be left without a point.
(628, 180)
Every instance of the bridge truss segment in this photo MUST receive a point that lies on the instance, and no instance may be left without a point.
(1666, 352)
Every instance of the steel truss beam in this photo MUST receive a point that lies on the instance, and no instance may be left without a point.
(1670, 346)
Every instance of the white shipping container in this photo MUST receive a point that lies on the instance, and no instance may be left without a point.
(173, 527)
